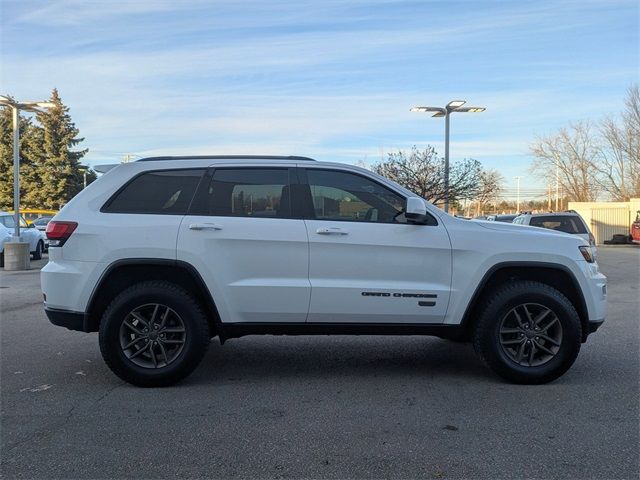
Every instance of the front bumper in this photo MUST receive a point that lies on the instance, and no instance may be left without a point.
(593, 325)
(68, 319)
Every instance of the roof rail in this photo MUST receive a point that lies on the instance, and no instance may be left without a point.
(227, 157)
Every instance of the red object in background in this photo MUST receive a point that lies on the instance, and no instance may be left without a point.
(635, 230)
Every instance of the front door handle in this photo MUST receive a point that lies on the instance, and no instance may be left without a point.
(332, 231)
(205, 226)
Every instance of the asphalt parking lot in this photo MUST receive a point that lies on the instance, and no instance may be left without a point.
(318, 407)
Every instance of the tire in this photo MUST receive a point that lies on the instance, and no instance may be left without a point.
(2, 259)
(498, 337)
(143, 363)
(37, 255)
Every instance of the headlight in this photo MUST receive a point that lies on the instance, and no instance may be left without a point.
(587, 253)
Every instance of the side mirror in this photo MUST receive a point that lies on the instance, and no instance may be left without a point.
(416, 211)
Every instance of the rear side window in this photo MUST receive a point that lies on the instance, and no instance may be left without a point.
(565, 224)
(160, 192)
(250, 192)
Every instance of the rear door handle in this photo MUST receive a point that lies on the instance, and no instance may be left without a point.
(332, 231)
(205, 226)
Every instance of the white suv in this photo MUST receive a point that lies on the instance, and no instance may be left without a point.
(567, 222)
(163, 254)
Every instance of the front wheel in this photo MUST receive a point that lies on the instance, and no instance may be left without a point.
(153, 334)
(528, 332)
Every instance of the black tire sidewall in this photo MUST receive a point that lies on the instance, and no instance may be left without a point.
(489, 339)
(37, 255)
(154, 292)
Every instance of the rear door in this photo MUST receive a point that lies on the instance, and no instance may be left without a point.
(366, 263)
(242, 236)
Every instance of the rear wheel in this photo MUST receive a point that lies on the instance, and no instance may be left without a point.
(37, 255)
(153, 334)
(528, 332)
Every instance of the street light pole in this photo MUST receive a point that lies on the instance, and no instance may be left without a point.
(452, 106)
(446, 161)
(16, 173)
(517, 194)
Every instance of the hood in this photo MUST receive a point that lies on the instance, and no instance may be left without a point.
(512, 227)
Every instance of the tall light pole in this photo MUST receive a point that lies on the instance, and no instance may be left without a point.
(517, 194)
(16, 107)
(451, 107)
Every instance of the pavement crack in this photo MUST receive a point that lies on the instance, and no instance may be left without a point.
(107, 393)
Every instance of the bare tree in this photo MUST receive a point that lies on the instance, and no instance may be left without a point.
(575, 151)
(619, 165)
(422, 172)
(491, 184)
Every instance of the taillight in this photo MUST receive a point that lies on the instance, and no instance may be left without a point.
(592, 240)
(59, 232)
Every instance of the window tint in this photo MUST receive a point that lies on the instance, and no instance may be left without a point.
(167, 191)
(350, 197)
(250, 192)
(565, 224)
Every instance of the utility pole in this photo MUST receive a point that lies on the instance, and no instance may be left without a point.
(518, 194)
(557, 180)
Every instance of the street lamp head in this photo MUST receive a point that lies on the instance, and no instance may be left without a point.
(46, 104)
(427, 109)
(4, 100)
(438, 114)
(34, 106)
(470, 109)
(453, 104)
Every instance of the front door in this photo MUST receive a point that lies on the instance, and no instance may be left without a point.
(366, 263)
(242, 238)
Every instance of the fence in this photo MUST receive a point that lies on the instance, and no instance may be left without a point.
(606, 219)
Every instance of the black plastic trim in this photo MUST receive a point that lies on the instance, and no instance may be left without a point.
(235, 330)
(498, 266)
(594, 325)
(90, 324)
(66, 318)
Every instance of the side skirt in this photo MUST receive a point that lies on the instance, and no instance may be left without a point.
(235, 330)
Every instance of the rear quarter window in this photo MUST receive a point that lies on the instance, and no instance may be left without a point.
(157, 192)
(566, 224)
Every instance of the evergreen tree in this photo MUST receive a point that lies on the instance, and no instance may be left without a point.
(57, 174)
(29, 153)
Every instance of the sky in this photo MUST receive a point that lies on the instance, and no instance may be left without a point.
(333, 80)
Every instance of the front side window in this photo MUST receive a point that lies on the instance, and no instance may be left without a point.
(160, 192)
(250, 192)
(349, 197)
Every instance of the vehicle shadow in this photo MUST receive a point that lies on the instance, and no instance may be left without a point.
(257, 359)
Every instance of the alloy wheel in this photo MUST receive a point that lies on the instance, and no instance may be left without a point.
(152, 335)
(530, 334)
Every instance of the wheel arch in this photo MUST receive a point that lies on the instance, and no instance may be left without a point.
(555, 275)
(125, 272)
